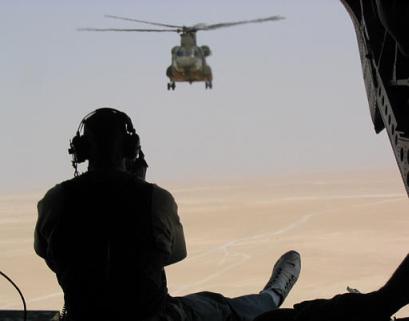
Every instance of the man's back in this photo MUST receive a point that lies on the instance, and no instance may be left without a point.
(102, 247)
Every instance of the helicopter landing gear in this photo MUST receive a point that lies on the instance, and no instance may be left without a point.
(208, 85)
(171, 85)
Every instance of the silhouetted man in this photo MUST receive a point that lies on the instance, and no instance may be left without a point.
(108, 234)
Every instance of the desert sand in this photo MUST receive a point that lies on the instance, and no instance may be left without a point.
(351, 229)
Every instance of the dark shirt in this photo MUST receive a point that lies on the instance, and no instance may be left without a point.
(107, 236)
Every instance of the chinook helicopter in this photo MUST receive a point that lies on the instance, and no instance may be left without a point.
(188, 59)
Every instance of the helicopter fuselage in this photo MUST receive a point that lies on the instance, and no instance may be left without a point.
(189, 62)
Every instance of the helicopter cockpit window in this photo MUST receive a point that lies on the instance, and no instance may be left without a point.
(187, 52)
(180, 52)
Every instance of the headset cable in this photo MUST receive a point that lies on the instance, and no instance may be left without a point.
(19, 292)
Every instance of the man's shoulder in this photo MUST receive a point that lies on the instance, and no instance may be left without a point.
(163, 202)
(161, 194)
(56, 193)
(59, 191)
(53, 198)
(112, 177)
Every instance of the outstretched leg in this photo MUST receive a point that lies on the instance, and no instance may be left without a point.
(285, 274)
(205, 306)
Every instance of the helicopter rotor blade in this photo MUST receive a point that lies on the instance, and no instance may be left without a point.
(234, 23)
(129, 30)
(143, 21)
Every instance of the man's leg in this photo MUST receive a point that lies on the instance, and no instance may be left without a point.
(205, 306)
(285, 274)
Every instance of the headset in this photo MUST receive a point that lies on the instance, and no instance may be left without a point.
(80, 145)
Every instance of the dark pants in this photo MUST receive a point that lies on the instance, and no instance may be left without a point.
(209, 306)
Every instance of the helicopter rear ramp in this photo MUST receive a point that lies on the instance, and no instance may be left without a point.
(382, 31)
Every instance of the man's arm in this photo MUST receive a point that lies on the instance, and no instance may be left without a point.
(167, 228)
(48, 211)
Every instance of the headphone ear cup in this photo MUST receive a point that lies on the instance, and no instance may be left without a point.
(131, 146)
(79, 148)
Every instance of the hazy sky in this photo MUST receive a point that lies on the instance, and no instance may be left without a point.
(288, 96)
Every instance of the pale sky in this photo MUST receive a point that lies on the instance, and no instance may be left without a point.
(288, 96)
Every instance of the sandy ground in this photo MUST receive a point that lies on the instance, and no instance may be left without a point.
(350, 228)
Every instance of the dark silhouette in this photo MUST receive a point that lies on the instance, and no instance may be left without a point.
(108, 234)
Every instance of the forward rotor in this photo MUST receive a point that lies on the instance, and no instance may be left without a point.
(181, 29)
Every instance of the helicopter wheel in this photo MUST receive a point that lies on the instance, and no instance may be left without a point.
(208, 85)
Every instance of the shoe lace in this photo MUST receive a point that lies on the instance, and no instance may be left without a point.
(290, 278)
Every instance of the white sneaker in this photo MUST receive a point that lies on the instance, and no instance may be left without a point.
(285, 274)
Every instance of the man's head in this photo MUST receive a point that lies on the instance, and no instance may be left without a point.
(108, 140)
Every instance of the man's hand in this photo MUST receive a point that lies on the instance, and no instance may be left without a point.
(138, 166)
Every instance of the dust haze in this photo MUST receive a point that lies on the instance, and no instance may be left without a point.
(350, 228)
